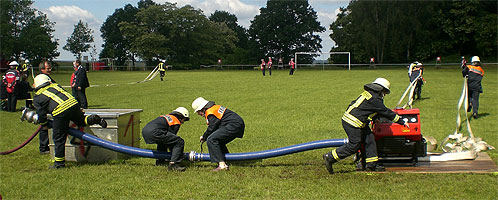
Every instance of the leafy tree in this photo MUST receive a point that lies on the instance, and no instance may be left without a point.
(80, 39)
(285, 27)
(115, 45)
(25, 32)
(240, 54)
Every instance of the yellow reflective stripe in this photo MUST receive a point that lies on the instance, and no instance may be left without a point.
(336, 157)
(371, 116)
(53, 97)
(350, 119)
(396, 118)
(86, 117)
(60, 159)
(58, 88)
(64, 106)
(372, 159)
(366, 94)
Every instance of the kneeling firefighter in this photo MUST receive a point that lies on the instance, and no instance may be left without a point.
(50, 98)
(355, 122)
(163, 132)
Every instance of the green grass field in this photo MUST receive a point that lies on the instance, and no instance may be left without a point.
(280, 110)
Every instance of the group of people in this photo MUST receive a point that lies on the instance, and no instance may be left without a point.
(224, 126)
(268, 65)
(15, 86)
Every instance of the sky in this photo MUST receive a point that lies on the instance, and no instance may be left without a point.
(67, 13)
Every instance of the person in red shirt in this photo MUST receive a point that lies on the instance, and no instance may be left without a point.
(269, 64)
(292, 66)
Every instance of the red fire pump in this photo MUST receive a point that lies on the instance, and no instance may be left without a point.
(397, 143)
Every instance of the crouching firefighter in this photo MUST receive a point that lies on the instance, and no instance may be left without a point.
(355, 122)
(50, 98)
(163, 132)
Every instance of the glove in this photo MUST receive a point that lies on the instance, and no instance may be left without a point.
(201, 139)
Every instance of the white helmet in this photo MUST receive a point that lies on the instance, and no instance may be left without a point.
(26, 61)
(384, 83)
(41, 80)
(183, 111)
(419, 64)
(474, 59)
(199, 104)
(14, 63)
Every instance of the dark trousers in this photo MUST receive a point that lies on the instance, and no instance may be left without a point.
(161, 74)
(43, 135)
(291, 72)
(218, 140)
(263, 71)
(171, 142)
(418, 89)
(269, 69)
(61, 129)
(11, 102)
(80, 96)
(357, 137)
(474, 100)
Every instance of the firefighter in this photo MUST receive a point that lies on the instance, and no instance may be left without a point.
(11, 82)
(464, 62)
(263, 66)
(270, 63)
(474, 74)
(224, 126)
(292, 66)
(416, 75)
(163, 132)
(162, 70)
(50, 98)
(355, 122)
(45, 68)
(24, 86)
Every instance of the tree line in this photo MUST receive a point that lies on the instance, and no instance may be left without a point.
(405, 31)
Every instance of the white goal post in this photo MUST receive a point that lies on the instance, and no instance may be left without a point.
(323, 53)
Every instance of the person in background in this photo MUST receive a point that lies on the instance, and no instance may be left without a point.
(162, 70)
(474, 74)
(24, 86)
(45, 68)
(269, 64)
(224, 126)
(11, 82)
(464, 62)
(292, 66)
(416, 75)
(263, 66)
(163, 131)
(355, 122)
(80, 84)
(50, 98)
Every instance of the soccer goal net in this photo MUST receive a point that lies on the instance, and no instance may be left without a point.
(323, 60)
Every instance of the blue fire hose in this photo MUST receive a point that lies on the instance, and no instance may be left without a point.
(194, 156)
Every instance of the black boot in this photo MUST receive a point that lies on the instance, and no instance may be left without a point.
(161, 162)
(176, 167)
(374, 167)
(329, 161)
(95, 119)
(57, 165)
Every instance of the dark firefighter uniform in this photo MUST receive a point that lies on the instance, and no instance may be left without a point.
(416, 75)
(52, 99)
(161, 69)
(355, 123)
(163, 132)
(224, 126)
(43, 133)
(474, 75)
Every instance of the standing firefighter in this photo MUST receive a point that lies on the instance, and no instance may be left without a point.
(163, 132)
(45, 68)
(224, 126)
(270, 63)
(50, 98)
(263, 66)
(292, 66)
(355, 122)
(416, 75)
(162, 70)
(474, 74)
(10, 82)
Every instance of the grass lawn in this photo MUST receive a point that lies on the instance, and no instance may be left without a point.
(278, 110)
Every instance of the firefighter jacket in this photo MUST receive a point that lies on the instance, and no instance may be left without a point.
(219, 116)
(475, 74)
(415, 73)
(52, 99)
(367, 106)
(161, 67)
(10, 80)
(163, 124)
